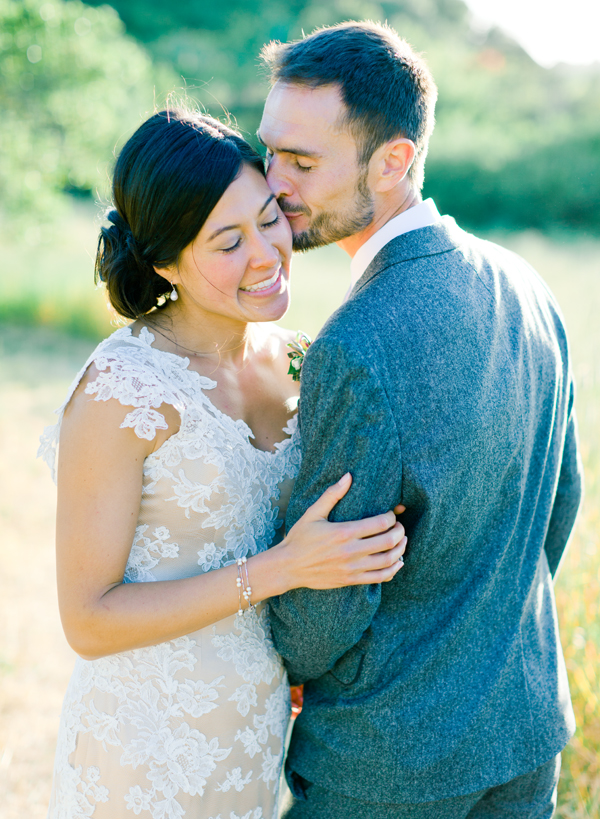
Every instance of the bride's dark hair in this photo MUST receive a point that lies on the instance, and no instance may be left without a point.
(168, 177)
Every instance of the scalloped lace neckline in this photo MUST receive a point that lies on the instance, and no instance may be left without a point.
(203, 382)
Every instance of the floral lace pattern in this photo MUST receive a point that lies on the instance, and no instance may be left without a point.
(194, 726)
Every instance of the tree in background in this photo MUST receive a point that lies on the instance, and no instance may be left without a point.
(515, 145)
(73, 84)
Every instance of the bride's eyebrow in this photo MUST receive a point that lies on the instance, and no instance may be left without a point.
(233, 227)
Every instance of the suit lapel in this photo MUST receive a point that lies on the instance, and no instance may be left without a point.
(442, 237)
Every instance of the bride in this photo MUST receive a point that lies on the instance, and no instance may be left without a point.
(178, 449)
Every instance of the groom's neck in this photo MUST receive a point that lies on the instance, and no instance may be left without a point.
(385, 209)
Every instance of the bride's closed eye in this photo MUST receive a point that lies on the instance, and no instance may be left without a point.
(273, 222)
(270, 224)
(232, 248)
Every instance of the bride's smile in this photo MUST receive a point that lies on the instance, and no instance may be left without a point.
(267, 284)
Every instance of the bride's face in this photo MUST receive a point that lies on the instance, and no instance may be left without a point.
(238, 265)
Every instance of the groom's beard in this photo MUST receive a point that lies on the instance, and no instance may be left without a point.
(333, 226)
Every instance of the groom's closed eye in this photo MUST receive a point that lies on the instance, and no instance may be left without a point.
(304, 168)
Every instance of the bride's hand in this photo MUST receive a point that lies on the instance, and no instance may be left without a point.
(325, 555)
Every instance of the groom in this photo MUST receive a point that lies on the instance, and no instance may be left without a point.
(442, 383)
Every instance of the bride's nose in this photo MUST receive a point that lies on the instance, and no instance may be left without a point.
(264, 254)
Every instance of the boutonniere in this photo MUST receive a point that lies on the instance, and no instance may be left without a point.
(298, 349)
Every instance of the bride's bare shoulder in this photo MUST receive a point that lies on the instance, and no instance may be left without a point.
(282, 334)
(275, 349)
(277, 339)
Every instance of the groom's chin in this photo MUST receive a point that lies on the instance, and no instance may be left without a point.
(301, 242)
(300, 245)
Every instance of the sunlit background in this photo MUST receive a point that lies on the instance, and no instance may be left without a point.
(515, 157)
(551, 31)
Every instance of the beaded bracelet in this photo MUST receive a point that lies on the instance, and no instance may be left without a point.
(248, 589)
(239, 583)
(243, 585)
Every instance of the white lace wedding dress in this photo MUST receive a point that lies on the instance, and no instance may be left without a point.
(193, 727)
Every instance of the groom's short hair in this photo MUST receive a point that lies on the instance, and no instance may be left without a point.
(387, 88)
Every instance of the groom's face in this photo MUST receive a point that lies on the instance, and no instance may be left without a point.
(313, 165)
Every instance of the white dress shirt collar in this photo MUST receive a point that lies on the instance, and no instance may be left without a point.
(419, 216)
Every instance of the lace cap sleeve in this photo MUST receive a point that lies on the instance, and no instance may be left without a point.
(133, 375)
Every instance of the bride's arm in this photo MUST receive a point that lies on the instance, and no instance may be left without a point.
(99, 494)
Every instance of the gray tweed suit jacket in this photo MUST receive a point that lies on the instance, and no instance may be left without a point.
(443, 383)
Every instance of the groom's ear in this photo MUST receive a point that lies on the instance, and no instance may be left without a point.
(391, 163)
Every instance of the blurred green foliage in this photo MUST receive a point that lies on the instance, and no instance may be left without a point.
(72, 84)
(515, 145)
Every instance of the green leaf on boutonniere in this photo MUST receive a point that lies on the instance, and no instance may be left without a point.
(298, 349)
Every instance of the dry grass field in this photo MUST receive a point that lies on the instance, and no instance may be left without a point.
(36, 366)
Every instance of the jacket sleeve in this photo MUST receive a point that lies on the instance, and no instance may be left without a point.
(569, 493)
(346, 426)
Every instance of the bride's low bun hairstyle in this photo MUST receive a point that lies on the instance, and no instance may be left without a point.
(168, 178)
(133, 285)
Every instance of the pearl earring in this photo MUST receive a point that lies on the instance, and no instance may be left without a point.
(174, 295)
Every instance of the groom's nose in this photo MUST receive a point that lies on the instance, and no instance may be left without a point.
(276, 179)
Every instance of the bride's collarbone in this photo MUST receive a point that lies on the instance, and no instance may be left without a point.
(266, 415)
